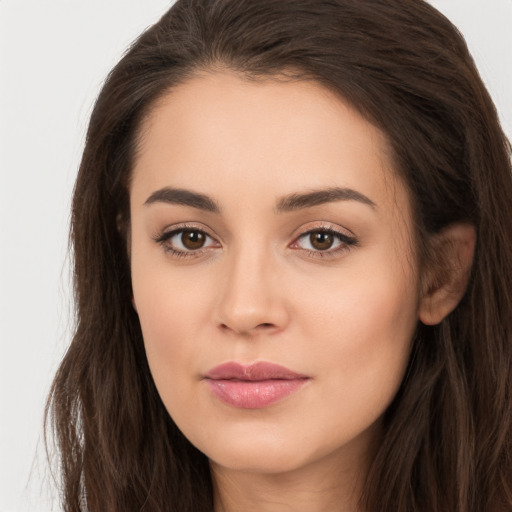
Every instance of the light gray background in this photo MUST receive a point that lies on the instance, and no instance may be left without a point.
(53, 57)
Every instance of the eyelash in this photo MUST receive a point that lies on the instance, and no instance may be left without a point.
(346, 242)
(163, 239)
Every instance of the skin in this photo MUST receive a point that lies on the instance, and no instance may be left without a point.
(259, 291)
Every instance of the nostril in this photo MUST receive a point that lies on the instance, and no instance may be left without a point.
(264, 326)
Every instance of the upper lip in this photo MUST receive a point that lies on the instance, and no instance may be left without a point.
(253, 372)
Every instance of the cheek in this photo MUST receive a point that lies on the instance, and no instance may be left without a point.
(361, 305)
(169, 328)
(363, 331)
(171, 313)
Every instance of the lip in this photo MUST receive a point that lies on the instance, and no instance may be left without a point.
(253, 386)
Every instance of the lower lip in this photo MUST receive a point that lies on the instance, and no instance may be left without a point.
(253, 394)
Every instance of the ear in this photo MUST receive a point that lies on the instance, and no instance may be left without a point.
(448, 272)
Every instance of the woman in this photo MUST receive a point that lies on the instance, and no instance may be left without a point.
(292, 233)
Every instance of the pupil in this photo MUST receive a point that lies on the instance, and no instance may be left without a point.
(321, 240)
(192, 239)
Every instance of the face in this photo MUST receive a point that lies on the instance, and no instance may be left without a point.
(273, 270)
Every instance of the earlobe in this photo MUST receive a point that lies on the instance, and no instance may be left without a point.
(447, 279)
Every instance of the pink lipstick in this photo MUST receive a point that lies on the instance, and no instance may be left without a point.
(254, 386)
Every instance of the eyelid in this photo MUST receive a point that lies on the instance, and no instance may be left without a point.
(347, 240)
(312, 227)
(164, 236)
(345, 237)
(182, 226)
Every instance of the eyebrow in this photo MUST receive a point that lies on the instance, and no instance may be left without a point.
(183, 197)
(288, 203)
(317, 197)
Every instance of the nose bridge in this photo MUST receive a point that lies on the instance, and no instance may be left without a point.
(249, 297)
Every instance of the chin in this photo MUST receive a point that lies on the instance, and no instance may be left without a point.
(263, 452)
(258, 459)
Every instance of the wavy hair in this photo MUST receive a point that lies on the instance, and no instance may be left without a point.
(405, 68)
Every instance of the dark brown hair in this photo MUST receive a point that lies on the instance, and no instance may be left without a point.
(405, 68)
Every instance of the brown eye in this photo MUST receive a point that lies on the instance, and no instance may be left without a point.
(192, 239)
(324, 242)
(186, 242)
(321, 240)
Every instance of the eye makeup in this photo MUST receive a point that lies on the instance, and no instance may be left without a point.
(185, 241)
(322, 242)
(193, 241)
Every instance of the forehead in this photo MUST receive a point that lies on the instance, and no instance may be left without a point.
(233, 138)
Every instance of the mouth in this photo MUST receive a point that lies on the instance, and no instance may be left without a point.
(254, 386)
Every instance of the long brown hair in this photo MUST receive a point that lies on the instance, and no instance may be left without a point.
(404, 67)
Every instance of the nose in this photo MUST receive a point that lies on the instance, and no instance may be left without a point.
(252, 298)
